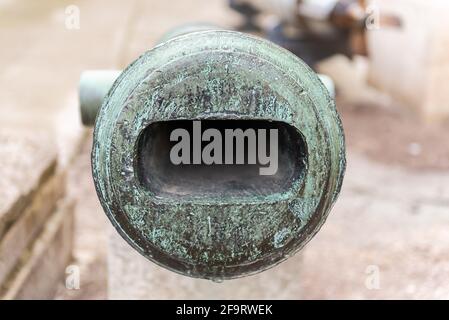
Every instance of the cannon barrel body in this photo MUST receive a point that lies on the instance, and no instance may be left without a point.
(217, 220)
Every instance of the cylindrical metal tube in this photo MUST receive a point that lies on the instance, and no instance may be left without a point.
(95, 84)
(215, 221)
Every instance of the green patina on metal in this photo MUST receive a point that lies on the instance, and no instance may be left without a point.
(217, 75)
(93, 87)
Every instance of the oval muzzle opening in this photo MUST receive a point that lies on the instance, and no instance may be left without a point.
(220, 159)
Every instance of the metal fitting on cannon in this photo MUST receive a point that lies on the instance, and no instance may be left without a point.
(216, 221)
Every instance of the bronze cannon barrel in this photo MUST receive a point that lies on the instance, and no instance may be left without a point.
(218, 220)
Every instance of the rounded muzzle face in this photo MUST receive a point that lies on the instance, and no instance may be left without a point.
(218, 154)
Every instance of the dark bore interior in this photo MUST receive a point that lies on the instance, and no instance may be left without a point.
(158, 174)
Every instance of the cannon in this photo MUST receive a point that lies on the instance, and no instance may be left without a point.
(219, 220)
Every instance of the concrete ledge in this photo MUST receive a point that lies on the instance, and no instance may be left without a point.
(27, 161)
(43, 264)
(19, 235)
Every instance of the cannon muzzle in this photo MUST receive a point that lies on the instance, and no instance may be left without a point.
(217, 154)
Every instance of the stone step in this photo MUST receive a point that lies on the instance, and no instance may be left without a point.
(42, 265)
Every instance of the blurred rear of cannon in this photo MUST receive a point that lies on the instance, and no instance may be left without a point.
(313, 29)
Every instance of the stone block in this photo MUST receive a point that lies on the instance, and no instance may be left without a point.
(27, 160)
(43, 264)
(411, 63)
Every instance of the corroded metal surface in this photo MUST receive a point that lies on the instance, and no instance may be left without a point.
(217, 75)
(94, 85)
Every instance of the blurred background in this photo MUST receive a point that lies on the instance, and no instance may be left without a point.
(387, 236)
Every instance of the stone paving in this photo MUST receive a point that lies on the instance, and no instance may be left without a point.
(388, 222)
